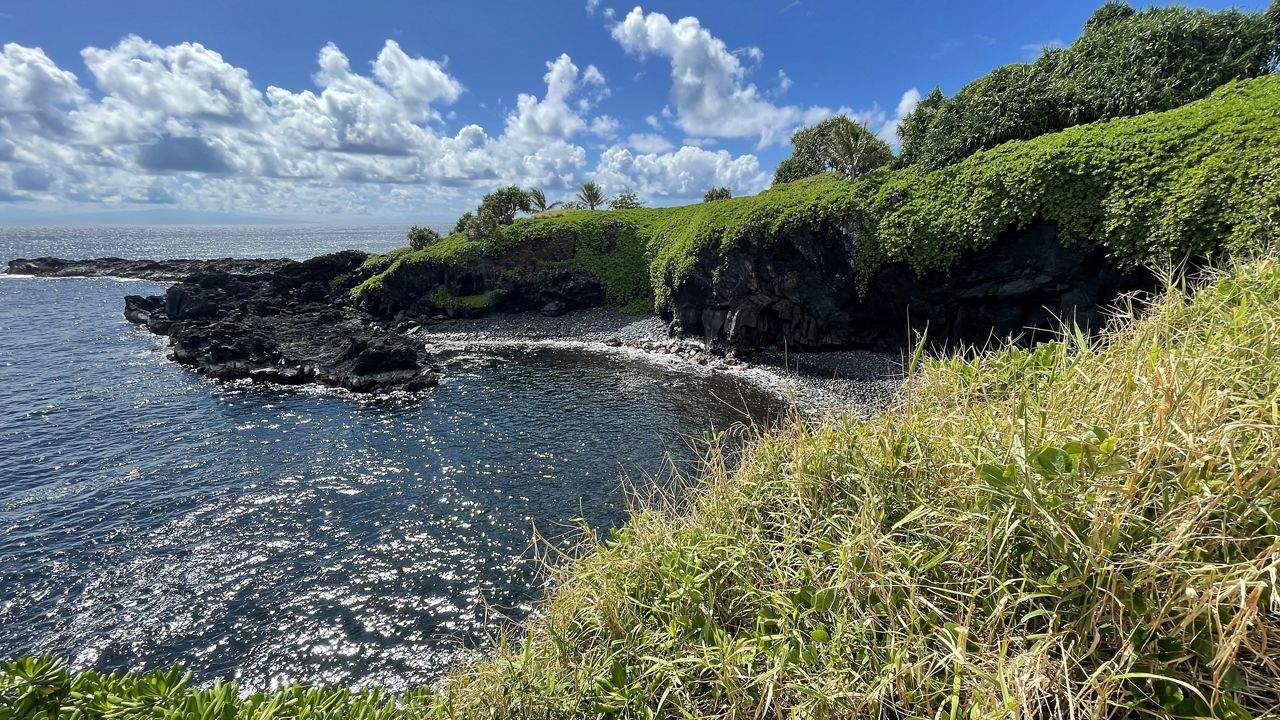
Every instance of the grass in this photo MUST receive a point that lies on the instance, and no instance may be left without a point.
(1086, 529)
(1197, 180)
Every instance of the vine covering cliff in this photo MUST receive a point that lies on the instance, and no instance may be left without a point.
(1163, 187)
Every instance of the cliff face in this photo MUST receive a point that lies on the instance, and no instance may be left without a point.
(802, 291)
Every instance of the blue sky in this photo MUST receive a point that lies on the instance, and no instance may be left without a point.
(408, 111)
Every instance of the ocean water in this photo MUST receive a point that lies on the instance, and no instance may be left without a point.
(151, 516)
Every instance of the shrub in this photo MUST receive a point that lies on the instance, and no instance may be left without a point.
(1124, 63)
(1154, 188)
(717, 193)
(625, 201)
(420, 237)
(463, 223)
(503, 204)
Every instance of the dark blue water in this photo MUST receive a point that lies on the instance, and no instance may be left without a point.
(150, 516)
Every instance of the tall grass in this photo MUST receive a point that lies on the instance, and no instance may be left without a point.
(1079, 530)
(1086, 529)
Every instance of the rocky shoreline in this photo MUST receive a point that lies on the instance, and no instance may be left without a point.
(287, 322)
(846, 381)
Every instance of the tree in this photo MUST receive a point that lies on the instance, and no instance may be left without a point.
(590, 195)
(625, 201)
(837, 144)
(504, 203)
(852, 149)
(420, 237)
(1124, 63)
(717, 193)
(464, 222)
(538, 201)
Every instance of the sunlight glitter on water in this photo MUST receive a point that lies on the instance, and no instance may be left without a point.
(151, 516)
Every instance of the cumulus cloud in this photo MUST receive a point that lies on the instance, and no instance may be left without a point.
(709, 89)
(605, 126)
(684, 174)
(649, 143)
(31, 83)
(181, 125)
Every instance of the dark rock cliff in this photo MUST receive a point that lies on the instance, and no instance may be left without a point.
(286, 326)
(802, 291)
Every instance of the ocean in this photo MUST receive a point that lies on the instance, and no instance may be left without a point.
(150, 516)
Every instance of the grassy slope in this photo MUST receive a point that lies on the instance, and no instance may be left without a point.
(1151, 188)
(1084, 529)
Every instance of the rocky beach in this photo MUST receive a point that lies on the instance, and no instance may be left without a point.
(279, 321)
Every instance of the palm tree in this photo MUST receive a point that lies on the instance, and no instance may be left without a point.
(591, 195)
(538, 201)
(852, 149)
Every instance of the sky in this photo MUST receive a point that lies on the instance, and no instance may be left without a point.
(388, 111)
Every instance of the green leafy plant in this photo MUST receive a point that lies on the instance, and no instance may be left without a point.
(717, 193)
(420, 237)
(625, 201)
(835, 145)
(590, 195)
(1124, 63)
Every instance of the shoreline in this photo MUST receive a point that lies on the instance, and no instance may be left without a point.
(854, 382)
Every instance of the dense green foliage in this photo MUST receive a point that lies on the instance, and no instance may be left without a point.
(1124, 63)
(1084, 530)
(1152, 188)
(835, 145)
(625, 201)
(420, 237)
(717, 193)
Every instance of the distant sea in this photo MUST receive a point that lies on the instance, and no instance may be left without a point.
(151, 516)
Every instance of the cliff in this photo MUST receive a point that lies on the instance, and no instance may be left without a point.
(1009, 239)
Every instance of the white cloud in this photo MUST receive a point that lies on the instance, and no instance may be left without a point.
(605, 126)
(684, 174)
(649, 143)
(31, 83)
(709, 89)
(538, 121)
(181, 125)
(183, 82)
(417, 82)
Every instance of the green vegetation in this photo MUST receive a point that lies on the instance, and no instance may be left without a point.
(538, 201)
(625, 201)
(717, 193)
(1124, 63)
(420, 237)
(1083, 529)
(836, 145)
(590, 195)
(1153, 188)
(1200, 179)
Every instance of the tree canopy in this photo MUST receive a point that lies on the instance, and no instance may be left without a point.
(834, 145)
(1124, 63)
